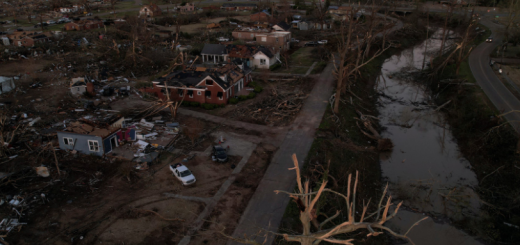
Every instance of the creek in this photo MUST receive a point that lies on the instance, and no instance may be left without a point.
(425, 169)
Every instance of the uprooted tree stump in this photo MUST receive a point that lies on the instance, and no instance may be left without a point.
(383, 144)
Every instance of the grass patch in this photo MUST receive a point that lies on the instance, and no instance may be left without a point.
(302, 57)
(319, 67)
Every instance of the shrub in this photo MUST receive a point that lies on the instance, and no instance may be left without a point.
(186, 103)
(233, 100)
(209, 106)
(275, 67)
(143, 85)
(242, 97)
(258, 89)
(251, 95)
(194, 104)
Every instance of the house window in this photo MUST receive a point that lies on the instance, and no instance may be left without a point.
(190, 93)
(220, 95)
(252, 35)
(262, 62)
(199, 93)
(68, 141)
(208, 94)
(209, 82)
(180, 92)
(239, 34)
(93, 145)
(276, 39)
(264, 39)
(77, 89)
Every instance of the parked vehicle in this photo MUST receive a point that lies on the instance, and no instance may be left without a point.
(323, 42)
(123, 91)
(113, 12)
(311, 44)
(489, 40)
(89, 14)
(51, 22)
(222, 39)
(219, 153)
(183, 174)
(294, 40)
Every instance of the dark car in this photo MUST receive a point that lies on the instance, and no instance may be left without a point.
(19, 29)
(219, 153)
(3, 33)
(39, 25)
(108, 91)
(123, 91)
(311, 44)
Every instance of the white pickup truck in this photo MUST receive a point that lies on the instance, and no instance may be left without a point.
(222, 39)
(182, 173)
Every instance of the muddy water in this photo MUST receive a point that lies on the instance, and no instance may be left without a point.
(425, 169)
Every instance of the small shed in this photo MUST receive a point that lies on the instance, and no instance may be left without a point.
(6, 84)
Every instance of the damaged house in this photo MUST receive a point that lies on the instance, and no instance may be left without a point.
(251, 55)
(150, 11)
(78, 86)
(6, 84)
(93, 138)
(203, 85)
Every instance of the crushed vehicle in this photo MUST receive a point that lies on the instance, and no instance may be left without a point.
(182, 173)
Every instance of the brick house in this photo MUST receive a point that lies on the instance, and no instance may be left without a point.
(238, 6)
(203, 85)
(28, 39)
(84, 25)
(279, 40)
(260, 17)
(150, 11)
(211, 7)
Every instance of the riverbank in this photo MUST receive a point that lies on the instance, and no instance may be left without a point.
(491, 146)
(341, 148)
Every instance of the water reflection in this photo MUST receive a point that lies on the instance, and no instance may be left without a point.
(425, 168)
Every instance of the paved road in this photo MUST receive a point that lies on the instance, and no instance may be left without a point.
(265, 209)
(496, 91)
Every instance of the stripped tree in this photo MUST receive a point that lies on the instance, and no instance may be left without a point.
(308, 200)
(354, 51)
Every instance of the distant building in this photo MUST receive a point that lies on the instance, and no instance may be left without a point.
(260, 17)
(238, 6)
(28, 39)
(279, 40)
(188, 7)
(150, 11)
(84, 25)
(251, 55)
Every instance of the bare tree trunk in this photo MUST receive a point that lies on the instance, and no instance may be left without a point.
(445, 29)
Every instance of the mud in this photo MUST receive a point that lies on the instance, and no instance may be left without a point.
(425, 169)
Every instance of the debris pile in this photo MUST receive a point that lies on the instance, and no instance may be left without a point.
(284, 101)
